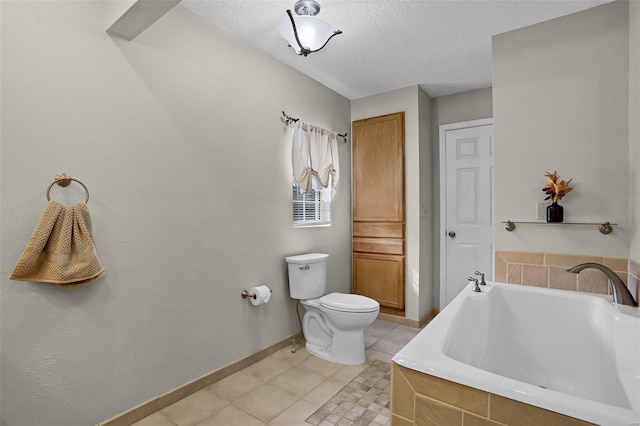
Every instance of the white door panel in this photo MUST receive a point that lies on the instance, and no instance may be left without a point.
(467, 217)
(464, 254)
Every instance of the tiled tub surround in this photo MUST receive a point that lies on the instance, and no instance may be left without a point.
(549, 270)
(422, 399)
(520, 351)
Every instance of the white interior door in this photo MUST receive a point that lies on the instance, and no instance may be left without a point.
(466, 219)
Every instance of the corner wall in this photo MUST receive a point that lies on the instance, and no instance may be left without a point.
(560, 98)
(427, 255)
(178, 137)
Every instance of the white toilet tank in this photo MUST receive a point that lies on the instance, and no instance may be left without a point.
(307, 275)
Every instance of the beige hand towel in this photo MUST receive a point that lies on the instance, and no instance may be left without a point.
(61, 249)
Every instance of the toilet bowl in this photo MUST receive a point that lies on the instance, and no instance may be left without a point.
(333, 324)
(337, 334)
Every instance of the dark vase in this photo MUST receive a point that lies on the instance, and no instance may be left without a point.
(555, 213)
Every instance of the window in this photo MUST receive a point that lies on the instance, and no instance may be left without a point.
(311, 209)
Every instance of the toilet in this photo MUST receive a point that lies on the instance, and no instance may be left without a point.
(333, 324)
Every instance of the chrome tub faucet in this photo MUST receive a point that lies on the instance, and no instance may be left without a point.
(621, 294)
(476, 287)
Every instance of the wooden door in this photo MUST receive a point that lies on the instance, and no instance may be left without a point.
(380, 277)
(378, 211)
(378, 169)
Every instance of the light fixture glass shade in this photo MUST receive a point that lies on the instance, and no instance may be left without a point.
(313, 33)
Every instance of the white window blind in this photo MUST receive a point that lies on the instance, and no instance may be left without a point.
(311, 209)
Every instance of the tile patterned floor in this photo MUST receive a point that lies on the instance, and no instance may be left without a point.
(364, 401)
(286, 389)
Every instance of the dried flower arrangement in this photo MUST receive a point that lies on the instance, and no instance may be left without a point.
(556, 188)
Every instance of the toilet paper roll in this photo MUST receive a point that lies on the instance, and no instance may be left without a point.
(263, 294)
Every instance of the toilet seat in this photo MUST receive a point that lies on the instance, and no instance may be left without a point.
(348, 303)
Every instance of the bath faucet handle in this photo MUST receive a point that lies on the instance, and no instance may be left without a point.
(476, 287)
(482, 281)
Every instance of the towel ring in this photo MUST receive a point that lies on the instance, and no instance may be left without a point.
(64, 180)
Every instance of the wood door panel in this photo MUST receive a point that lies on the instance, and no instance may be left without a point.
(380, 277)
(378, 229)
(379, 245)
(378, 210)
(378, 168)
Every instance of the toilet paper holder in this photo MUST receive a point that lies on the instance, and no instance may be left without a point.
(246, 294)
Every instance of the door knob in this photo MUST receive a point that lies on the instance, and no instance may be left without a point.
(452, 234)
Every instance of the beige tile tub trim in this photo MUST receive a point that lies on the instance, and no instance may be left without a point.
(549, 270)
(422, 399)
(156, 404)
(634, 268)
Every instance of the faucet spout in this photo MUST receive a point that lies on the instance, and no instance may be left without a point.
(621, 293)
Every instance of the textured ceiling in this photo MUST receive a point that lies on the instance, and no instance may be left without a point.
(442, 45)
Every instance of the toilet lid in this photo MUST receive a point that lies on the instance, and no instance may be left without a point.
(349, 303)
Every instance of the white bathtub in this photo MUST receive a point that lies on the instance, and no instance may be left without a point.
(573, 353)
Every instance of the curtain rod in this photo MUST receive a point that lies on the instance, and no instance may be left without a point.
(290, 120)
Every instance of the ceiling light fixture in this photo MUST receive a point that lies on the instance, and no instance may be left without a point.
(304, 32)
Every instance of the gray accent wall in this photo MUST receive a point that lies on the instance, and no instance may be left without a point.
(177, 135)
(560, 101)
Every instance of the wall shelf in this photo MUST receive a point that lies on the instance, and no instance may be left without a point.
(605, 228)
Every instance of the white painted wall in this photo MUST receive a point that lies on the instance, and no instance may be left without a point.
(178, 137)
(634, 127)
(406, 100)
(560, 100)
